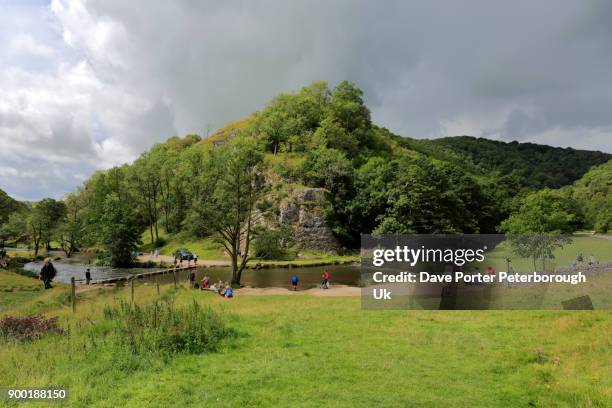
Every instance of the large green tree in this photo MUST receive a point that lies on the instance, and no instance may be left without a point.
(71, 230)
(118, 231)
(541, 224)
(229, 189)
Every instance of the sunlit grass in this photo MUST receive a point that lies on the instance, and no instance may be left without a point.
(320, 351)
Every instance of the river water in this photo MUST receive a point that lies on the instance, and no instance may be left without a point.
(268, 277)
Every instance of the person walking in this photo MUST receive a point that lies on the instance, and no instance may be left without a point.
(47, 273)
(87, 276)
(294, 282)
(325, 283)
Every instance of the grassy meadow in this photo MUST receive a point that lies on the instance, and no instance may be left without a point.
(586, 244)
(293, 350)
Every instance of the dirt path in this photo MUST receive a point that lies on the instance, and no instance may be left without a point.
(334, 290)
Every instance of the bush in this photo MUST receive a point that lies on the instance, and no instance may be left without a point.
(28, 328)
(273, 243)
(164, 329)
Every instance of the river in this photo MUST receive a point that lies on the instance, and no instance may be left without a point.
(267, 277)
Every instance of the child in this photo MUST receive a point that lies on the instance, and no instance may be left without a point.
(294, 282)
(325, 283)
(229, 292)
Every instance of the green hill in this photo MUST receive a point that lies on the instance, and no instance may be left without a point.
(9, 205)
(322, 139)
(533, 165)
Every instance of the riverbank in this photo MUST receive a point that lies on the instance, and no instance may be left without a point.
(333, 291)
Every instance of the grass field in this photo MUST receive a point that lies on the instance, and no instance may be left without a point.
(323, 351)
(597, 245)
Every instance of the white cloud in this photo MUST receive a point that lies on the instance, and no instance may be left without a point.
(88, 85)
(25, 43)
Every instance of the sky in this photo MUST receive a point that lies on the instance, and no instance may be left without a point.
(87, 85)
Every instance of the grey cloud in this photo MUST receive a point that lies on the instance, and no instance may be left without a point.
(125, 75)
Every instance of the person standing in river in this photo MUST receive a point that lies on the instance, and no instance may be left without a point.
(294, 282)
(325, 283)
(47, 273)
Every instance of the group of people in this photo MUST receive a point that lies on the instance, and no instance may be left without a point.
(324, 283)
(580, 260)
(178, 261)
(222, 288)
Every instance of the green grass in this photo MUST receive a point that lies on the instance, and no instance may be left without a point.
(598, 246)
(21, 294)
(324, 351)
(204, 248)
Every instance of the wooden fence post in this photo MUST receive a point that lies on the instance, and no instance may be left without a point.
(157, 284)
(132, 290)
(72, 294)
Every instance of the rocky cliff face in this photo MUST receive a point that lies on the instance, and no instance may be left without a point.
(304, 211)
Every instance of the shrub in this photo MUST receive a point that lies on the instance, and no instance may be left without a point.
(162, 328)
(273, 243)
(28, 328)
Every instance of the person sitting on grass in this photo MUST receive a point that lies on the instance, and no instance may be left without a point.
(294, 282)
(229, 292)
(205, 282)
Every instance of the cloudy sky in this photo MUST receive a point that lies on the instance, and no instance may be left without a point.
(91, 84)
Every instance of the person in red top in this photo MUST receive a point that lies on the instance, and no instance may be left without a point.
(325, 283)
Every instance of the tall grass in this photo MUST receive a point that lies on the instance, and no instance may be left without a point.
(166, 329)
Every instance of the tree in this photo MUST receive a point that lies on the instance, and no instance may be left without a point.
(230, 188)
(146, 179)
(71, 230)
(332, 134)
(49, 213)
(119, 233)
(536, 229)
(544, 211)
(273, 243)
(8, 206)
(16, 228)
(39, 225)
(422, 199)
